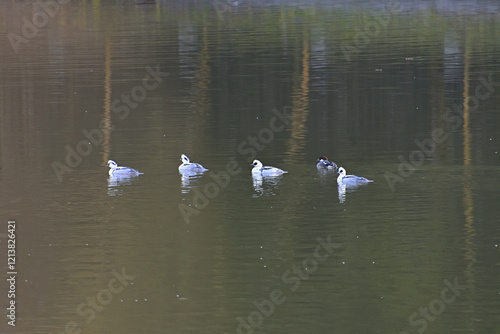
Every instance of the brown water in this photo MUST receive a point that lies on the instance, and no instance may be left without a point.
(407, 97)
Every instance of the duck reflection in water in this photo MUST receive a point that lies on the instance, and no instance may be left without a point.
(115, 182)
(265, 186)
(189, 181)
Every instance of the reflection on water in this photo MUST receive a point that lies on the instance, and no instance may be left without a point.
(265, 185)
(343, 189)
(418, 73)
(326, 173)
(190, 180)
(116, 184)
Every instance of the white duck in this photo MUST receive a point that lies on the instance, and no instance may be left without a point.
(261, 170)
(190, 167)
(120, 171)
(350, 180)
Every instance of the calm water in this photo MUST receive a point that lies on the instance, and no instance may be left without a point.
(406, 95)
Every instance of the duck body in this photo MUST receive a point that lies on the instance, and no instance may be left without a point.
(260, 170)
(190, 167)
(350, 180)
(323, 163)
(121, 171)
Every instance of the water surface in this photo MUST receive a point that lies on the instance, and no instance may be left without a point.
(413, 108)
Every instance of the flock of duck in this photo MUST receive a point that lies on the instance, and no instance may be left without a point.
(258, 170)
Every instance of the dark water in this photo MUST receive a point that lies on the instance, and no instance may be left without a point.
(405, 94)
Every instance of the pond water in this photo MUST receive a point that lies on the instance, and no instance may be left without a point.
(403, 93)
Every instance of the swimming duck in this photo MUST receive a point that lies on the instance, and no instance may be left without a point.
(190, 167)
(120, 171)
(260, 170)
(324, 163)
(352, 180)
